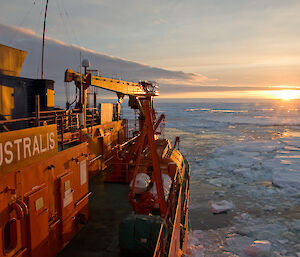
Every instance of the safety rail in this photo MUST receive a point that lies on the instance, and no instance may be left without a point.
(159, 249)
(176, 218)
(68, 125)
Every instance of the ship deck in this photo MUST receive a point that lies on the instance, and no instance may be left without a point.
(108, 207)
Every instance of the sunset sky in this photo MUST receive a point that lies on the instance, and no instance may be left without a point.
(200, 48)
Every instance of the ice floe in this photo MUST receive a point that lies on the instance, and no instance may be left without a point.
(275, 160)
(248, 237)
(220, 206)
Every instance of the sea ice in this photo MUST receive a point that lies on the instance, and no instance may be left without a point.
(261, 231)
(265, 176)
(256, 120)
(194, 247)
(297, 247)
(286, 179)
(283, 241)
(289, 235)
(221, 206)
(237, 244)
(296, 226)
(203, 243)
(257, 161)
(291, 141)
(269, 208)
(258, 249)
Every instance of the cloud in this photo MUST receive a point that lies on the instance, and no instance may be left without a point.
(60, 56)
(187, 89)
(188, 79)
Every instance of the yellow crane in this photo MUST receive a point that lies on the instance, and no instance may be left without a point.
(135, 91)
(121, 87)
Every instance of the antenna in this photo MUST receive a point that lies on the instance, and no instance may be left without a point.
(43, 47)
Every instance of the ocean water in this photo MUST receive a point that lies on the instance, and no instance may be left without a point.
(247, 153)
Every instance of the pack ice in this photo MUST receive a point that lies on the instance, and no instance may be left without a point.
(262, 179)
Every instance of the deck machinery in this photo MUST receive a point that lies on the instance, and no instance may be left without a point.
(47, 156)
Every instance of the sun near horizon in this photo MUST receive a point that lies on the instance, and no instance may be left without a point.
(286, 95)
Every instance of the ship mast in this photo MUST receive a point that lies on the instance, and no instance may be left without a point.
(43, 46)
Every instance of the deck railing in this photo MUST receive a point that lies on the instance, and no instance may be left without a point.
(179, 217)
(159, 249)
(68, 126)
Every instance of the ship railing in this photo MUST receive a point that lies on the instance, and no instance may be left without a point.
(170, 220)
(174, 247)
(68, 126)
(4, 122)
(159, 249)
(66, 122)
(185, 204)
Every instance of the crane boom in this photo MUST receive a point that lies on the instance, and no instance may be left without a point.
(144, 89)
